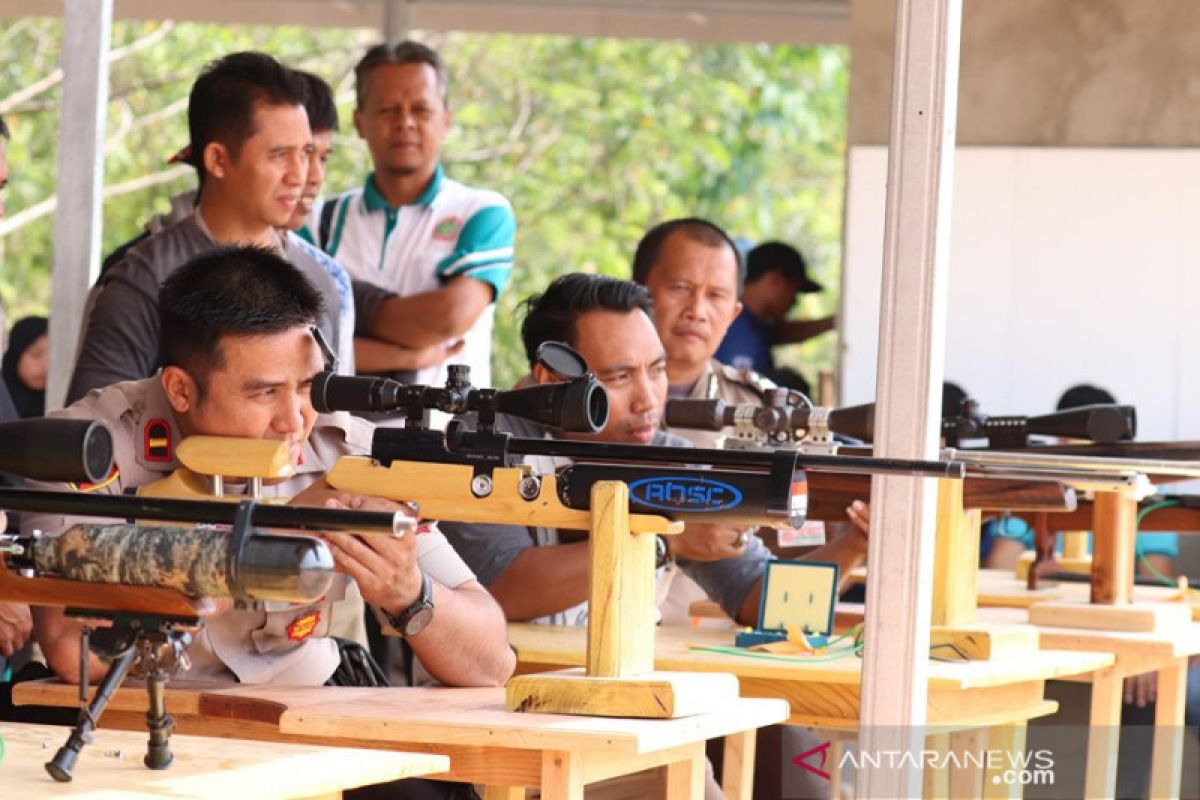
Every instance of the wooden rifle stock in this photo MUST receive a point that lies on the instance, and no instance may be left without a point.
(830, 493)
(99, 596)
(1181, 519)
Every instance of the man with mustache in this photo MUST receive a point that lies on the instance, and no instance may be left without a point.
(250, 140)
(239, 359)
(443, 247)
(540, 573)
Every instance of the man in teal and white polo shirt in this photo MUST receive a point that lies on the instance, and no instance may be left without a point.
(445, 248)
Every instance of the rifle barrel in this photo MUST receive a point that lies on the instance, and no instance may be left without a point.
(200, 511)
(760, 460)
(1084, 464)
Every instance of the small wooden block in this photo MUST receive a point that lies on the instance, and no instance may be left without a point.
(653, 695)
(1130, 618)
(234, 457)
(1078, 565)
(984, 642)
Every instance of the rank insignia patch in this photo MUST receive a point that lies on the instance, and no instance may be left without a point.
(157, 440)
(303, 626)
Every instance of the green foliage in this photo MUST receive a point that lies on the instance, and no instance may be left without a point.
(592, 140)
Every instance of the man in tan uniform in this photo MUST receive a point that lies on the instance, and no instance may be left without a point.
(694, 274)
(239, 359)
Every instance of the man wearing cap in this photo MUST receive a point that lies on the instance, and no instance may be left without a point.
(776, 274)
(444, 247)
(239, 359)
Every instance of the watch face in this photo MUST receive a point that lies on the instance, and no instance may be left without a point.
(418, 621)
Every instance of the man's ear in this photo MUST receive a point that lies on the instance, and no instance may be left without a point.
(180, 388)
(358, 123)
(543, 375)
(216, 159)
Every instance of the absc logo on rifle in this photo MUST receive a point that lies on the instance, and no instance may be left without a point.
(675, 493)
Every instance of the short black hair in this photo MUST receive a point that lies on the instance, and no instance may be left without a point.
(223, 99)
(649, 249)
(953, 397)
(399, 54)
(229, 291)
(4, 132)
(1084, 394)
(320, 105)
(551, 315)
(776, 256)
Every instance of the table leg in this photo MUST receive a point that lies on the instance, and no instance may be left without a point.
(1004, 739)
(562, 775)
(1104, 735)
(737, 780)
(970, 748)
(504, 793)
(936, 780)
(1167, 762)
(685, 779)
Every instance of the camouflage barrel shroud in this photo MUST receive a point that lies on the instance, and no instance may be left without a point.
(194, 561)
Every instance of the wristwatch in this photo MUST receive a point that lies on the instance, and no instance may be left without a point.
(662, 553)
(416, 617)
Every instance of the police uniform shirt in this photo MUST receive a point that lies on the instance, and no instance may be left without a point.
(281, 643)
(723, 382)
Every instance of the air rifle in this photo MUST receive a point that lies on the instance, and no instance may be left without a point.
(152, 583)
(747, 487)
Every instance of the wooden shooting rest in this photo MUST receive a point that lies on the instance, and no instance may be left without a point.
(619, 679)
(208, 461)
(1112, 565)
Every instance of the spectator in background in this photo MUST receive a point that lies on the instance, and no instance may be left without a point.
(25, 365)
(7, 411)
(446, 248)
(249, 130)
(776, 274)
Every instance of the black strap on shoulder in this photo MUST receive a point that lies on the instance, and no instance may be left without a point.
(325, 225)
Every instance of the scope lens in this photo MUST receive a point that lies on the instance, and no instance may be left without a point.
(597, 406)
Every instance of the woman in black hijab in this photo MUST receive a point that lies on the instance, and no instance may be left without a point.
(25, 365)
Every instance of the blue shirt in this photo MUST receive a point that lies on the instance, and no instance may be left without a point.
(1149, 544)
(747, 344)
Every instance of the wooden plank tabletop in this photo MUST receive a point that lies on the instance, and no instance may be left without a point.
(435, 715)
(549, 645)
(111, 767)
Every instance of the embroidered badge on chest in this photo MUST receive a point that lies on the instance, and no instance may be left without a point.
(303, 626)
(447, 228)
(156, 440)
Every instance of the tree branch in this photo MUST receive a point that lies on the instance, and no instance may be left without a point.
(55, 77)
(46, 207)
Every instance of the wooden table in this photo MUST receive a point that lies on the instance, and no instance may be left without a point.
(112, 767)
(486, 744)
(1165, 653)
(1001, 694)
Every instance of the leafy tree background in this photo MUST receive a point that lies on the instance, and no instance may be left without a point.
(592, 140)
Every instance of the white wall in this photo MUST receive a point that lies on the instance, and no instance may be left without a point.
(1068, 265)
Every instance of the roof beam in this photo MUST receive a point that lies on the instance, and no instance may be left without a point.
(779, 21)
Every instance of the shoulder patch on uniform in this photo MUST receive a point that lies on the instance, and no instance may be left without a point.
(113, 474)
(303, 626)
(747, 378)
(156, 440)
